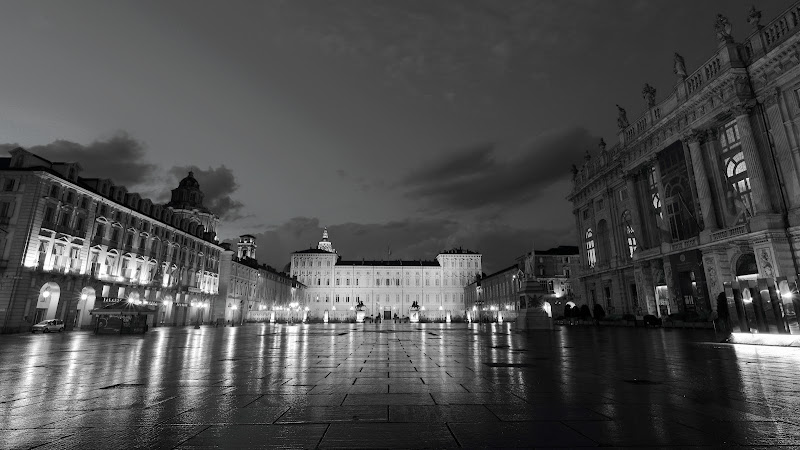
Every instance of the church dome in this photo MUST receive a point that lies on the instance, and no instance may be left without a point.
(189, 182)
(187, 195)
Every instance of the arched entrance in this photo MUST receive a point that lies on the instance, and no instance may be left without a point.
(47, 303)
(85, 304)
(746, 267)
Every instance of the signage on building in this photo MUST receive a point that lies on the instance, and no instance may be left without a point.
(118, 299)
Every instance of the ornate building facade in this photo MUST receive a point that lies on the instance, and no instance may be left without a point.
(387, 288)
(249, 291)
(704, 186)
(70, 244)
(502, 290)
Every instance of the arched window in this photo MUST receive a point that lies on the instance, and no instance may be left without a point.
(630, 236)
(735, 167)
(591, 256)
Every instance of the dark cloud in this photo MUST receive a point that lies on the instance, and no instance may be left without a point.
(478, 177)
(409, 239)
(120, 158)
(217, 185)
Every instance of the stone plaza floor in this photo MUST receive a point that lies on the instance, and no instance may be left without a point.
(395, 386)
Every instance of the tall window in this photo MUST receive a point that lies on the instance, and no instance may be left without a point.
(591, 256)
(629, 233)
(655, 200)
(735, 167)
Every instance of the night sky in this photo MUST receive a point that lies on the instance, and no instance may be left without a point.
(413, 125)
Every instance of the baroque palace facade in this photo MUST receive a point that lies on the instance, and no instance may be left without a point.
(501, 291)
(250, 291)
(704, 187)
(387, 288)
(70, 244)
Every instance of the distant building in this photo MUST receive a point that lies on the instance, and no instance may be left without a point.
(70, 244)
(703, 187)
(387, 288)
(249, 291)
(501, 290)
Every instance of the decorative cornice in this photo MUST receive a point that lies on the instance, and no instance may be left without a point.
(694, 137)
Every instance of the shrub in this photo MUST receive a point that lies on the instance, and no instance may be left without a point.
(586, 313)
(599, 312)
(629, 317)
(652, 321)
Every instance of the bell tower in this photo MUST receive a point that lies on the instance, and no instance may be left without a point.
(246, 247)
(325, 244)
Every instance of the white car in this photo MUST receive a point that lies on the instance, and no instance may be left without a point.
(47, 326)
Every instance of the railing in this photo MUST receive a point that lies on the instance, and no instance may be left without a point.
(684, 244)
(730, 232)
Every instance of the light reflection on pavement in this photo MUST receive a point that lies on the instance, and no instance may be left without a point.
(394, 385)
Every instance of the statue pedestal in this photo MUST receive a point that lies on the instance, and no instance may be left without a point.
(533, 316)
(360, 316)
(272, 317)
(447, 317)
(413, 316)
(533, 319)
(325, 317)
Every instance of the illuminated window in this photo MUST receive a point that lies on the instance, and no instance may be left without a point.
(630, 235)
(591, 256)
(734, 164)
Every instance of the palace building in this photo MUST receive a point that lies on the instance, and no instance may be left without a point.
(70, 244)
(501, 291)
(386, 288)
(251, 292)
(703, 187)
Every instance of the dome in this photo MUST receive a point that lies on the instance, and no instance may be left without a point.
(189, 182)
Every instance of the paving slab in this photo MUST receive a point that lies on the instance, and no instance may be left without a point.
(398, 385)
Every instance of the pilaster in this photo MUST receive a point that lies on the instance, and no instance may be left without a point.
(704, 196)
(761, 202)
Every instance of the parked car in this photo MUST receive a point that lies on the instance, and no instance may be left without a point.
(47, 326)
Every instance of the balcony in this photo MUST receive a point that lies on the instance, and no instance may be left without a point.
(730, 232)
(685, 244)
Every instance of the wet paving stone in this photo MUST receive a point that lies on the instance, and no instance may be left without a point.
(376, 386)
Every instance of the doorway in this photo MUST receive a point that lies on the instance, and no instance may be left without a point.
(387, 314)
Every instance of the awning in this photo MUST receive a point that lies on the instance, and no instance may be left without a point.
(123, 308)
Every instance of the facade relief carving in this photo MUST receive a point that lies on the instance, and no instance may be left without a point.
(765, 263)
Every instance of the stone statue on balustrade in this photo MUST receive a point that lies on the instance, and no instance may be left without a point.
(679, 66)
(754, 18)
(649, 95)
(723, 28)
(622, 118)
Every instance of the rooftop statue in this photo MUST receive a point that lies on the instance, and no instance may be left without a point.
(680, 66)
(622, 118)
(649, 95)
(723, 28)
(754, 18)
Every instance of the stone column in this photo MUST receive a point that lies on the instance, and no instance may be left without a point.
(701, 179)
(790, 164)
(760, 195)
(664, 235)
(636, 222)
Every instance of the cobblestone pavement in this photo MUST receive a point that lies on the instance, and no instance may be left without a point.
(393, 385)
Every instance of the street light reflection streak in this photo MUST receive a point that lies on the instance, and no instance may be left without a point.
(781, 340)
